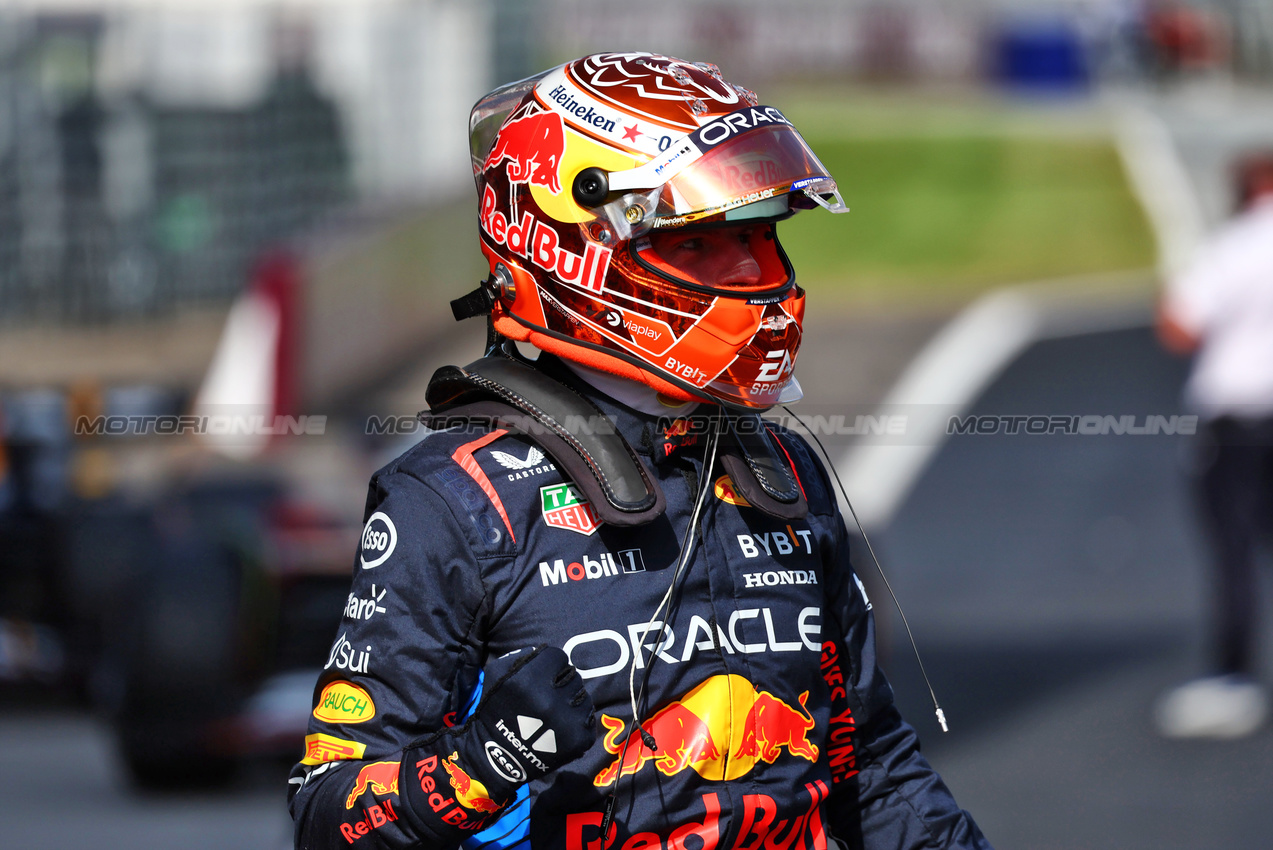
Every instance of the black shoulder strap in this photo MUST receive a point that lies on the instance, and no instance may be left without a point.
(761, 470)
(583, 442)
(570, 428)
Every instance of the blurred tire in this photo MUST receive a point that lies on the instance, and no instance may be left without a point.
(176, 663)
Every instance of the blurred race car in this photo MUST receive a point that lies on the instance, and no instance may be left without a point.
(180, 557)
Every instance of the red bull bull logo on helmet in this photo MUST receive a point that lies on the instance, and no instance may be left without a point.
(533, 146)
(694, 732)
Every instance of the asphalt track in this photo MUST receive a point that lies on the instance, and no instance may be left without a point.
(1056, 587)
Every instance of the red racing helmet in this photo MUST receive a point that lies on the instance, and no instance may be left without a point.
(579, 167)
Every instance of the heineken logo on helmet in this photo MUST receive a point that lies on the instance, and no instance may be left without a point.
(564, 508)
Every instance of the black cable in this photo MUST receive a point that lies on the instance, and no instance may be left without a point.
(687, 543)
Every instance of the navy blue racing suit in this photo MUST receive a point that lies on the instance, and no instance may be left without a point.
(773, 726)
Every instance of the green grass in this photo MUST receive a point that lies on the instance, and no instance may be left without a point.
(949, 196)
(946, 203)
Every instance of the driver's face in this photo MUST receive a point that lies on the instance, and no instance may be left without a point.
(718, 256)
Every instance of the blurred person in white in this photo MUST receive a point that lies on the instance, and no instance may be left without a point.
(1221, 308)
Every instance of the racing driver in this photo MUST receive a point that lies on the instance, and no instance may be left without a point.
(603, 603)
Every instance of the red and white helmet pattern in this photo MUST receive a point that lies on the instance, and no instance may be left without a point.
(576, 167)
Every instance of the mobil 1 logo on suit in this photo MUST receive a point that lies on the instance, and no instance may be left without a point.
(588, 567)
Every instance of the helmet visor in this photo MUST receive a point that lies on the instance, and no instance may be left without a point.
(741, 159)
(762, 163)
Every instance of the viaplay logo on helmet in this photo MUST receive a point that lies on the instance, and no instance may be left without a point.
(564, 508)
(538, 241)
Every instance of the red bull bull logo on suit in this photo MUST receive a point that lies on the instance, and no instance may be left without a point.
(470, 793)
(719, 729)
(381, 778)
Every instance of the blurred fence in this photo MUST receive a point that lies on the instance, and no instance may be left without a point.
(149, 155)
(150, 150)
(900, 40)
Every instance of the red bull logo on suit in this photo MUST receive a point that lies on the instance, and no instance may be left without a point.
(695, 732)
(380, 778)
(766, 825)
(470, 793)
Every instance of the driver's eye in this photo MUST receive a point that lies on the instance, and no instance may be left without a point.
(694, 244)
